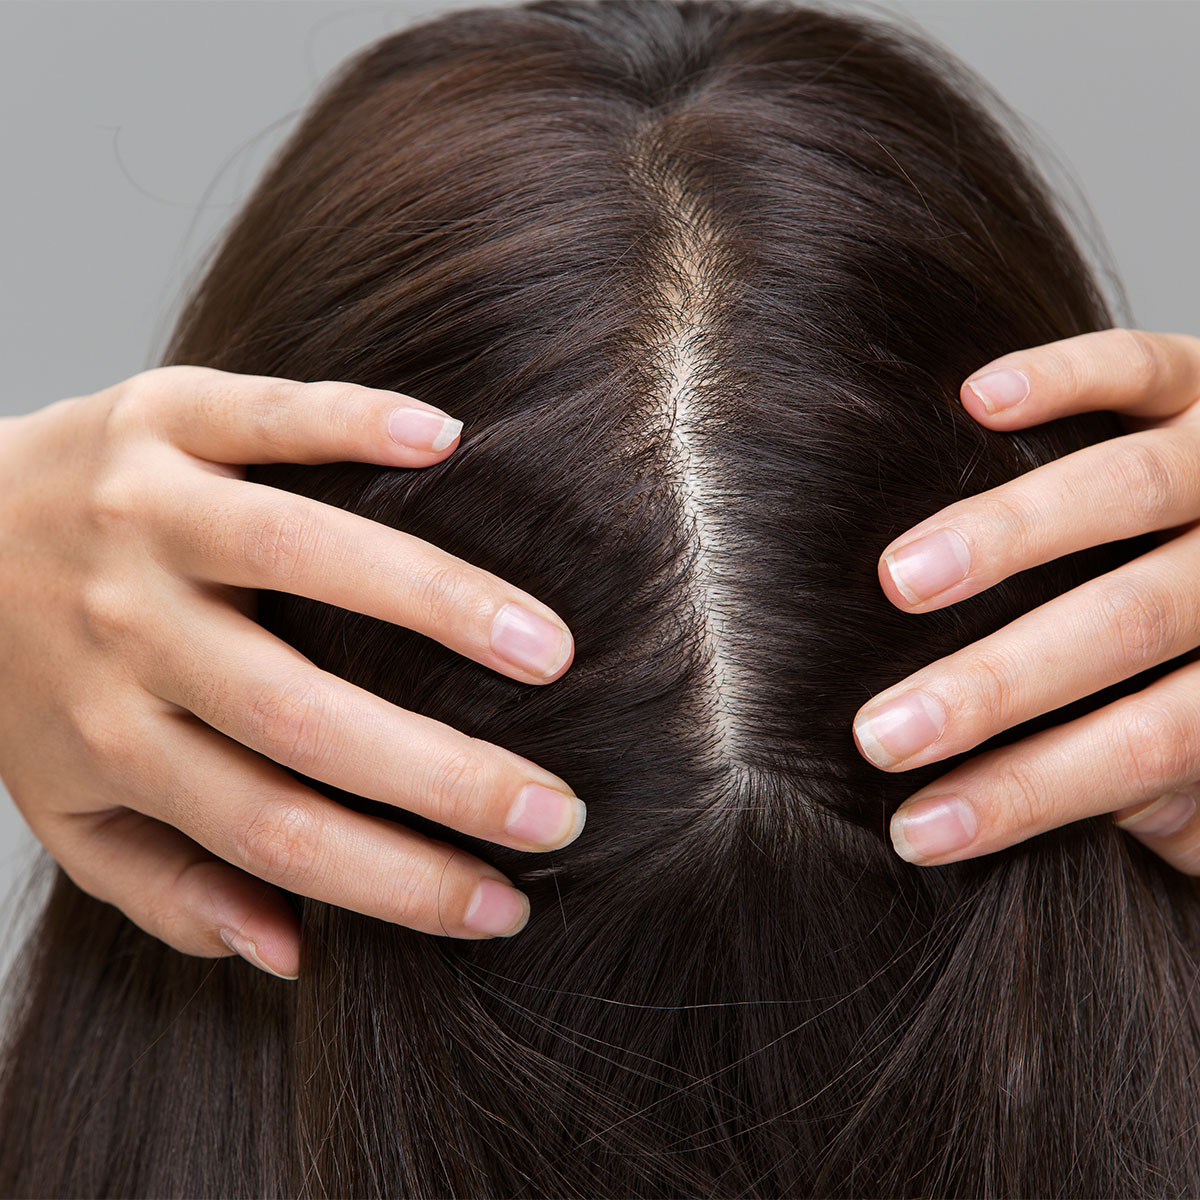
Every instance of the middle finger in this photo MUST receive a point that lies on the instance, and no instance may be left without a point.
(1105, 630)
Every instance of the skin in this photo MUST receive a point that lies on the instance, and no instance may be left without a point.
(1125, 757)
(146, 716)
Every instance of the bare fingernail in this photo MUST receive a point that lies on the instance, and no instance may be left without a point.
(929, 565)
(249, 951)
(423, 428)
(496, 909)
(934, 827)
(1000, 389)
(898, 728)
(1167, 814)
(545, 818)
(527, 640)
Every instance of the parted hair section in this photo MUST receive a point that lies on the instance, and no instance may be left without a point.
(702, 280)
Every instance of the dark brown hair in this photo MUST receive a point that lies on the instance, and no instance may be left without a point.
(702, 280)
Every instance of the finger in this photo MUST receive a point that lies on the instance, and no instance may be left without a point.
(1128, 371)
(265, 694)
(1128, 752)
(249, 535)
(1100, 493)
(1168, 826)
(256, 817)
(176, 891)
(231, 418)
(1107, 629)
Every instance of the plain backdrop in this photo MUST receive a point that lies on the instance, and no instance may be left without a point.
(130, 133)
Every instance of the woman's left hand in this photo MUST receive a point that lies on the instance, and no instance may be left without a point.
(1138, 757)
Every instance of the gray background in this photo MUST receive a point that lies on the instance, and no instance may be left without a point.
(131, 131)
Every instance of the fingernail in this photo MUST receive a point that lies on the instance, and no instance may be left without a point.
(1167, 814)
(529, 641)
(933, 827)
(898, 728)
(929, 565)
(545, 817)
(1000, 389)
(249, 951)
(496, 909)
(423, 428)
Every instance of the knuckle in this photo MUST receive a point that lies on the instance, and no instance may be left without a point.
(1012, 520)
(265, 414)
(269, 422)
(182, 807)
(155, 380)
(1141, 356)
(1146, 479)
(108, 613)
(328, 404)
(106, 734)
(988, 687)
(339, 403)
(434, 895)
(459, 780)
(137, 399)
(130, 404)
(1021, 784)
(411, 896)
(183, 378)
(292, 721)
(1139, 619)
(168, 922)
(276, 545)
(1156, 747)
(441, 595)
(118, 497)
(1062, 367)
(281, 843)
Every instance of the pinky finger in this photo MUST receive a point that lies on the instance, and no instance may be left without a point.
(1168, 825)
(177, 891)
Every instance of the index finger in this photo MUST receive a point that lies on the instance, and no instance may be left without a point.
(1139, 374)
(240, 419)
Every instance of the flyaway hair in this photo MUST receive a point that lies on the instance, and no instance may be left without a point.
(703, 281)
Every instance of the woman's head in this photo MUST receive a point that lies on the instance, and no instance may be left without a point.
(702, 280)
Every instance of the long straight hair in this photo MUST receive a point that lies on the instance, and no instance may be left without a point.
(702, 280)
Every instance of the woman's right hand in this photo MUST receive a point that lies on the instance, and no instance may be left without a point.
(144, 714)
